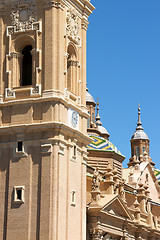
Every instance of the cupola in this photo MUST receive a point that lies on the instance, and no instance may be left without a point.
(139, 144)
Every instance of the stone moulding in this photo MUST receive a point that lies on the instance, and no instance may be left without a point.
(46, 148)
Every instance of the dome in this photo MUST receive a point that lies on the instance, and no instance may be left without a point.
(139, 134)
(101, 144)
(89, 97)
(102, 130)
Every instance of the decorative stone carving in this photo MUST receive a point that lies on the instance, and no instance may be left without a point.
(121, 190)
(9, 93)
(96, 180)
(97, 234)
(10, 30)
(23, 15)
(72, 29)
(108, 237)
(36, 26)
(36, 90)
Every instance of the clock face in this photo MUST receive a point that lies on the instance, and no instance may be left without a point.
(74, 118)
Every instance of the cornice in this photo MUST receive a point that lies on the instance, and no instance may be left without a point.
(84, 5)
(61, 127)
(55, 97)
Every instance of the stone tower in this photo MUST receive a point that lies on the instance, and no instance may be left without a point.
(139, 145)
(43, 119)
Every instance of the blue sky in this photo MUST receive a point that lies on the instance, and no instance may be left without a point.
(123, 69)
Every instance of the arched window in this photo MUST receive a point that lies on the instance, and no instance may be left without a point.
(137, 152)
(26, 66)
(72, 69)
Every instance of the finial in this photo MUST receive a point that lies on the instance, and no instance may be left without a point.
(140, 184)
(98, 122)
(136, 203)
(139, 123)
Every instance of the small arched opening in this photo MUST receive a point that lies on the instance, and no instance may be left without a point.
(26, 66)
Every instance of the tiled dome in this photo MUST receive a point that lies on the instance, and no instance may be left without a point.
(101, 144)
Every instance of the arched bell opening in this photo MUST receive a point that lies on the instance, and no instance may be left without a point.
(26, 66)
(72, 69)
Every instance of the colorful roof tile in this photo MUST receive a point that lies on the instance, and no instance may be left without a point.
(157, 174)
(102, 144)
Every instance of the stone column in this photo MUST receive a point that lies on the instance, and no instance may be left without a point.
(84, 26)
(2, 29)
(33, 52)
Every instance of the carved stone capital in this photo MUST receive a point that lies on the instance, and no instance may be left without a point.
(15, 55)
(84, 24)
(53, 3)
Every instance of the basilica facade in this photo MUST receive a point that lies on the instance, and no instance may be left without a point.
(122, 203)
(60, 176)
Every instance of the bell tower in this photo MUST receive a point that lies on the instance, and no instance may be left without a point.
(43, 119)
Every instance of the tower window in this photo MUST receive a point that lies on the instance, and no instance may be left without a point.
(88, 122)
(20, 146)
(93, 118)
(143, 150)
(132, 152)
(73, 199)
(137, 152)
(27, 66)
(19, 194)
(75, 151)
